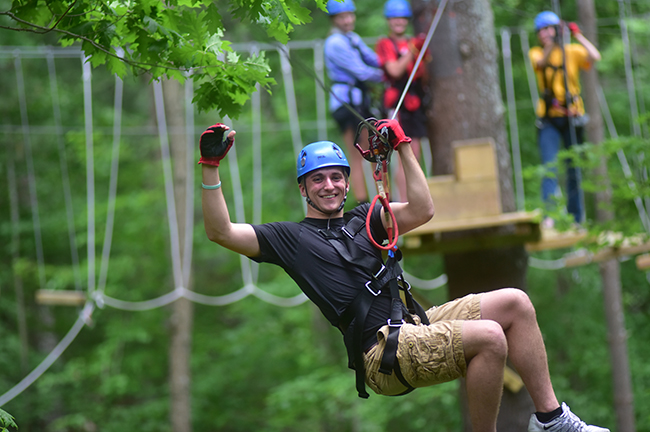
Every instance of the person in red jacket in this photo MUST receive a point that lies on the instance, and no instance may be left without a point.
(397, 54)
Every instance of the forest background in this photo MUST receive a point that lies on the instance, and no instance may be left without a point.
(257, 366)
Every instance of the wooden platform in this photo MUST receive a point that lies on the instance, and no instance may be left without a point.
(469, 214)
(553, 239)
(501, 230)
(60, 297)
(469, 217)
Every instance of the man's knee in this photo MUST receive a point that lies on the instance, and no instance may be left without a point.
(518, 301)
(484, 337)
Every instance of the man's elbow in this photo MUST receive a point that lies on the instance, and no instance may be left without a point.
(214, 235)
(426, 212)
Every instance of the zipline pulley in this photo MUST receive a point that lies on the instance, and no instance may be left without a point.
(379, 152)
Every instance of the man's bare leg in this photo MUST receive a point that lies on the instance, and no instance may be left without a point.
(513, 310)
(486, 350)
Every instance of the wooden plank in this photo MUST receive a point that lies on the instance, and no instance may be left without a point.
(552, 239)
(584, 257)
(501, 231)
(61, 298)
(643, 262)
(434, 226)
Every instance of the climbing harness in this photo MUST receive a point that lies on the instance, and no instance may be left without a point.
(384, 279)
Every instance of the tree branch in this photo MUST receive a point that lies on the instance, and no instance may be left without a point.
(43, 30)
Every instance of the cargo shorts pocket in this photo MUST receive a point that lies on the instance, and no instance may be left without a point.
(431, 354)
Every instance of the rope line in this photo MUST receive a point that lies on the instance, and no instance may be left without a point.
(31, 176)
(82, 320)
(65, 177)
(432, 29)
(90, 173)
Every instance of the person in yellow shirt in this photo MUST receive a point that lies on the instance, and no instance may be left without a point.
(560, 110)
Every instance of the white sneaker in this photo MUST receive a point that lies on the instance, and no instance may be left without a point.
(567, 422)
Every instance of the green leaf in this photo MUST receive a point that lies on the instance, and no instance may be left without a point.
(6, 419)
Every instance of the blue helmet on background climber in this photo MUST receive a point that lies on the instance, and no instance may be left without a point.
(318, 155)
(545, 19)
(397, 9)
(335, 7)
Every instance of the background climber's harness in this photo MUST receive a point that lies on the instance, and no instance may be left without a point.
(383, 277)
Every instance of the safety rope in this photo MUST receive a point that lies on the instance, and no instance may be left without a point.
(31, 176)
(82, 320)
(432, 29)
(65, 177)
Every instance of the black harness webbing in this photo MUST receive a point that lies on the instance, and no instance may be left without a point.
(382, 276)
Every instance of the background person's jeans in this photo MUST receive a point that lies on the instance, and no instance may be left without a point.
(551, 131)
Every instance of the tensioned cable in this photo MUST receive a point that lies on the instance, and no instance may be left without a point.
(168, 182)
(83, 318)
(292, 106)
(31, 176)
(530, 74)
(256, 114)
(629, 73)
(65, 177)
(112, 189)
(90, 172)
(627, 172)
(189, 183)
(321, 106)
(430, 284)
(512, 115)
(14, 247)
(432, 29)
(240, 215)
(543, 264)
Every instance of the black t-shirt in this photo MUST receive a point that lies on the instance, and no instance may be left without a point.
(321, 273)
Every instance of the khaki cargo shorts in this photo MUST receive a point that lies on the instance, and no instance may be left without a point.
(427, 354)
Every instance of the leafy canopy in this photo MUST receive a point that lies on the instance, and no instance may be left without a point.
(173, 38)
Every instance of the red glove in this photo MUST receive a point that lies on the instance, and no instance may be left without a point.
(214, 144)
(393, 131)
(573, 27)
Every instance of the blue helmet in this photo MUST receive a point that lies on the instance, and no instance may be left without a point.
(545, 19)
(335, 7)
(397, 9)
(318, 155)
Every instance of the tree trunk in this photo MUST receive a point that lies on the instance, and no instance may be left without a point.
(609, 270)
(182, 309)
(464, 83)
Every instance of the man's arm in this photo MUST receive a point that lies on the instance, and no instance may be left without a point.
(418, 208)
(240, 238)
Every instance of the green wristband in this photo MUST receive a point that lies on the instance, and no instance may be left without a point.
(211, 187)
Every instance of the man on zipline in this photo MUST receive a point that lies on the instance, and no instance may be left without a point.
(336, 260)
(351, 66)
(397, 54)
(560, 110)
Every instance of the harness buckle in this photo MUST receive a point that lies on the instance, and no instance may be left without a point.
(391, 324)
(347, 233)
(370, 289)
(405, 285)
(380, 272)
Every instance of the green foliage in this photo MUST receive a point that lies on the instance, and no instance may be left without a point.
(254, 366)
(625, 189)
(172, 39)
(6, 420)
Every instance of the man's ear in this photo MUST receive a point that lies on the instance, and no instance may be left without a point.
(301, 186)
